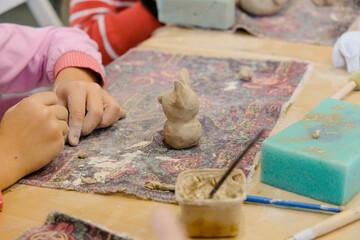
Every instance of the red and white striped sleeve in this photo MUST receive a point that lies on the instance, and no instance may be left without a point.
(115, 25)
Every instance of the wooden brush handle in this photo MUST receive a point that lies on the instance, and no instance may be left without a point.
(328, 225)
(337, 221)
(350, 86)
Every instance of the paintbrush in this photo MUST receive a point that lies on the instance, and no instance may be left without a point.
(291, 204)
(328, 225)
(232, 167)
(156, 185)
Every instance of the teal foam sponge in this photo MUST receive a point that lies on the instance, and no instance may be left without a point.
(319, 156)
(217, 14)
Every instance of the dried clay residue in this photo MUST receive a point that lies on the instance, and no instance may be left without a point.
(315, 149)
(328, 120)
(88, 180)
(289, 139)
(338, 107)
(198, 186)
(155, 185)
(334, 133)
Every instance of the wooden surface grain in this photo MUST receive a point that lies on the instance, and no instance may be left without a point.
(27, 206)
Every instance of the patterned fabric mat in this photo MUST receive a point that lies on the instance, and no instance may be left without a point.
(123, 157)
(302, 21)
(64, 227)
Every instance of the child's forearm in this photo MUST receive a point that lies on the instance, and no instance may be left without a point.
(10, 171)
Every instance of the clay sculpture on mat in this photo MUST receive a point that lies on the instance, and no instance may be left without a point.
(182, 128)
(261, 7)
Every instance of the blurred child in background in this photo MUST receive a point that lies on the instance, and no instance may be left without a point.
(115, 25)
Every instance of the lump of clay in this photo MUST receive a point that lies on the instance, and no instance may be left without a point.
(245, 73)
(182, 128)
(261, 7)
(323, 2)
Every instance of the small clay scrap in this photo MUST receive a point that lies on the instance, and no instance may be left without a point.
(182, 128)
(155, 185)
(261, 7)
(246, 73)
(82, 155)
(328, 2)
(88, 180)
(316, 134)
(122, 112)
(323, 2)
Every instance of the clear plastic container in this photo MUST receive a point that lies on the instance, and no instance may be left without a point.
(216, 217)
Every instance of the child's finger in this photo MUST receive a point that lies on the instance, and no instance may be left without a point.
(46, 98)
(60, 112)
(112, 111)
(64, 129)
(95, 110)
(76, 105)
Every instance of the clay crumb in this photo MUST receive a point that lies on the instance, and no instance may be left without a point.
(82, 155)
(246, 73)
(155, 185)
(324, 2)
(88, 180)
(316, 134)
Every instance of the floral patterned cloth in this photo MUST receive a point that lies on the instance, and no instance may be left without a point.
(124, 156)
(59, 226)
(302, 21)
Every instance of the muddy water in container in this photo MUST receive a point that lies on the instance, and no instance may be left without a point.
(216, 217)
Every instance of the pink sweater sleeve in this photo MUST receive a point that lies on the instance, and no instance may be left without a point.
(73, 48)
(31, 57)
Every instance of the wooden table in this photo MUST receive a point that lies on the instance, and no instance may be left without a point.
(27, 206)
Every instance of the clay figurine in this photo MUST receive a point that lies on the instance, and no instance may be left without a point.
(182, 128)
(261, 7)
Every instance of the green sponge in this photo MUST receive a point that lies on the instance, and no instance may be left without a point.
(319, 156)
(217, 14)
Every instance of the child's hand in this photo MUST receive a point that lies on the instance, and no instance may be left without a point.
(32, 133)
(347, 51)
(165, 225)
(89, 106)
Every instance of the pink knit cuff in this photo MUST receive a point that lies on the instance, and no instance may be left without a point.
(79, 59)
(1, 202)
